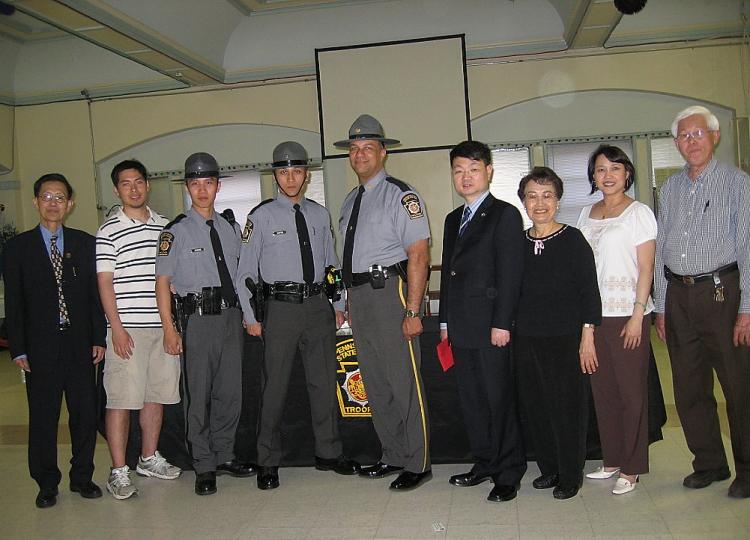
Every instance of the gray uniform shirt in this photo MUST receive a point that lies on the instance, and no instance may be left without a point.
(270, 243)
(186, 256)
(392, 216)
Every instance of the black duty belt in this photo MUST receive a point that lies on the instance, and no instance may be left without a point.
(207, 302)
(376, 274)
(292, 292)
(700, 278)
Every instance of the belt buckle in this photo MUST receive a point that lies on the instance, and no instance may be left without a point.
(688, 280)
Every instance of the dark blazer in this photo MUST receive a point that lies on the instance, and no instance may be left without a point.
(480, 281)
(31, 309)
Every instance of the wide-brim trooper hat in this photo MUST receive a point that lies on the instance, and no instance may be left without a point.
(290, 154)
(366, 127)
(202, 165)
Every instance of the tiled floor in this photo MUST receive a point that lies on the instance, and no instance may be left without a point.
(312, 504)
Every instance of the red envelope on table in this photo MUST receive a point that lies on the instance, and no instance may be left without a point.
(445, 354)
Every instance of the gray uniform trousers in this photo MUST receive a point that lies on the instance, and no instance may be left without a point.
(391, 374)
(212, 376)
(311, 327)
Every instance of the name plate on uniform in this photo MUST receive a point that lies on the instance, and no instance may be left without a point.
(353, 402)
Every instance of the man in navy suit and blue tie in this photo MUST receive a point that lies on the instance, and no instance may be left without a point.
(479, 289)
(56, 333)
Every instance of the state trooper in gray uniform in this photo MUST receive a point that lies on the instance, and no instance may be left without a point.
(197, 258)
(386, 245)
(287, 243)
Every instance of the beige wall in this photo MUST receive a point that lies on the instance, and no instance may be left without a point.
(706, 73)
(6, 138)
(56, 137)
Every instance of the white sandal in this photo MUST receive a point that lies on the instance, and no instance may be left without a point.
(601, 474)
(623, 485)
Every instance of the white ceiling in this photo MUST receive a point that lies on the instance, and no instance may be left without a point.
(51, 50)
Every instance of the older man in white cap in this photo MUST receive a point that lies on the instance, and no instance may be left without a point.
(702, 294)
(386, 247)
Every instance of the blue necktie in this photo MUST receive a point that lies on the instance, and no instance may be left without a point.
(464, 221)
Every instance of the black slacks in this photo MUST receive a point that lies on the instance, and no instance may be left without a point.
(554, 394)
(48, 380)
(487, 393)
(699, 340)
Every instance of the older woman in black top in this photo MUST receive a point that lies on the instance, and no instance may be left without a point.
(554, 339)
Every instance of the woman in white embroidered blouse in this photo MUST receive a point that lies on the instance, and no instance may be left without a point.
(622, 234)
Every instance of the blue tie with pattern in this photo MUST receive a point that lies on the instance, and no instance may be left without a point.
(464, 221)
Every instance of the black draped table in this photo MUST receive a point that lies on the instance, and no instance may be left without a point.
(448, 442)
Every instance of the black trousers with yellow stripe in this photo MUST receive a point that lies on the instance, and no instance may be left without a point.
(390, 367)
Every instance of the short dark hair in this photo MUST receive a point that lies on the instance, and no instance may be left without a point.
(53, 177)
(124, 166)
(541, 175)
(474, 150)
(615, 155)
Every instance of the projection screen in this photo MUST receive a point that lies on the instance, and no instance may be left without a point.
(416, 88)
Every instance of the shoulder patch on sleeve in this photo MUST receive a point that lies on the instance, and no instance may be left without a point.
(175, 221)
(165, 243)
(412, 205)
(247, 232)
(403, 186)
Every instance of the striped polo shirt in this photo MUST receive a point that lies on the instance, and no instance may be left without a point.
(127, 248)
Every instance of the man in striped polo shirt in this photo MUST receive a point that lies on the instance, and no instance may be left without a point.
(138, 374)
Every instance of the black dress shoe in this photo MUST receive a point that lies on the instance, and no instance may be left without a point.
(410, 480)
(739, 489)
(701, 479)
(205, 483)
(379, 470)
(339, 465)
(467, 479)
(87, 490)
(564, 492)
(268, 477)
(47, 497)
(502, 493)
(238, 469)
(546, 481)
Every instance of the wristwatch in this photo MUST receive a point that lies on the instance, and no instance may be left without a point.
(412, 314)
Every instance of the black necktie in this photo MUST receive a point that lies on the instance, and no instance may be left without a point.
(351, 228)
(308, 267)
(227, 288)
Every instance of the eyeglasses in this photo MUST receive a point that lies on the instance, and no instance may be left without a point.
(699, 134)
(57, 197)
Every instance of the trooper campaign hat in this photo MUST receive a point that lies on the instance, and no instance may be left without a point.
(289, 154)
(202, 165)
(366, 128)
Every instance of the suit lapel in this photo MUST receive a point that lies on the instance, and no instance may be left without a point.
(475, 225)
(39, 252)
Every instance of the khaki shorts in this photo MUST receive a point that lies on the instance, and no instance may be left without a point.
(150, 375)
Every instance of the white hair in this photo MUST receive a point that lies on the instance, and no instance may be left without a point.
(711, 121)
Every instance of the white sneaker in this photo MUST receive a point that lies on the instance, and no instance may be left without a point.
(158, 467)
(601, 474)
(118, 483)
(623, 485)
